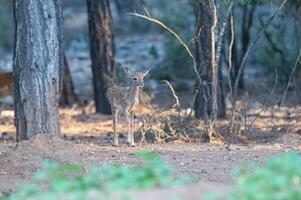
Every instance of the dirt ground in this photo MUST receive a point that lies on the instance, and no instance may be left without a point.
(85, 140)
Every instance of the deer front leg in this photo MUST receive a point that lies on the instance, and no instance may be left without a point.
(115, 114)
(132, 128)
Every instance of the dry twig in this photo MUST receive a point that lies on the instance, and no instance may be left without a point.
(177, 104)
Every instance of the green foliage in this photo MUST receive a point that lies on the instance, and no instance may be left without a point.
(73, 181)
(278, 179)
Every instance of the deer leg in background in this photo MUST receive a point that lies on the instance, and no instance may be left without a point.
(128, 122)
(132, 128)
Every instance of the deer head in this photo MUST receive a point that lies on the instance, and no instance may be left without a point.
(138, 77)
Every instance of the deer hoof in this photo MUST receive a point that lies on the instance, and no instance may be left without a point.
(115, 145)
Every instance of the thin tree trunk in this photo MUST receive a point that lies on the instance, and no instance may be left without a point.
(102, 51)
(214, 64)
(246, 25)
(221, 95)
(38, 60)
(68, 96)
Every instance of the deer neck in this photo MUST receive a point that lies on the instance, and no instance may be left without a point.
(133, 95)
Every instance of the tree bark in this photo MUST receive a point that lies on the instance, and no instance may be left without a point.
(207, 64)
(68, 96)
(102, 51)
(38, 60)
(221, 112)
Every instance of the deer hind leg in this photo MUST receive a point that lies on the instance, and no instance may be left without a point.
(115, 114)
(128, 122)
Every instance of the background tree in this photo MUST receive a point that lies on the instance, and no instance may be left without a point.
(101, 50)
(240, 47)
(68, 96)
(206, 24)
(38, 60)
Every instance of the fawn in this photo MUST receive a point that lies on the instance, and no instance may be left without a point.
(125, 99)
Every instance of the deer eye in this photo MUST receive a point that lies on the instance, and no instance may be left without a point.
(135, 79)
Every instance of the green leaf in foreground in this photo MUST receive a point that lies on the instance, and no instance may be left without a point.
(278, 179)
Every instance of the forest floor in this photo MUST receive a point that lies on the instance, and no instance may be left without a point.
(86, 136)
(86, 139)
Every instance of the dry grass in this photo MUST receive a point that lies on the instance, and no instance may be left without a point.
(159, 126)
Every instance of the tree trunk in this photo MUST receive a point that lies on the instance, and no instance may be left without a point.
(207, 64)
(246, 24)
(221, 95)
(102, 51)
(203, 57)
(68, 97)
(214, 64)
(38, 60)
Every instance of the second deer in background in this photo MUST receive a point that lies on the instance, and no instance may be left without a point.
(6, 87)
(125, 99)
(6, 84)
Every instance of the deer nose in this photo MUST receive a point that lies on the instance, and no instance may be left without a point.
(141, 84)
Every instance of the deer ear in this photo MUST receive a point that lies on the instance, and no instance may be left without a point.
(146, 71)
(127, 71)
